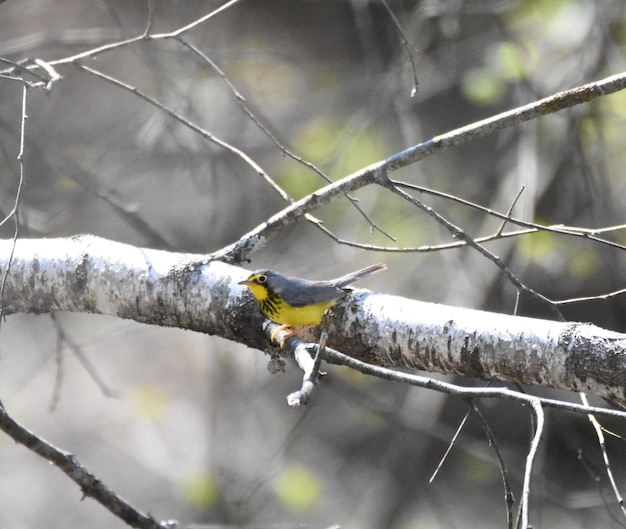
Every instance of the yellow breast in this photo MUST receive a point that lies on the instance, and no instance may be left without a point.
(279, 311)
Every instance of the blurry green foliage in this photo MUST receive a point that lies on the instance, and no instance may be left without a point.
(483, 86)
(297, 487)
(510, 61)
(583, 263)
(200, 490)
(333, 146)
(474, 471)
(538, 248)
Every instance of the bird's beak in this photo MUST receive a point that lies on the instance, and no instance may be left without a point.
(244, 283)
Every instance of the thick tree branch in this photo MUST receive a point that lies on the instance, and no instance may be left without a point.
(89, 274)
(431, 337)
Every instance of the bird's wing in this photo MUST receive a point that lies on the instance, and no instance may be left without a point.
(300, 292)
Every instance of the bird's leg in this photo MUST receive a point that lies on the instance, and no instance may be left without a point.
(287, 328)
(290, 332)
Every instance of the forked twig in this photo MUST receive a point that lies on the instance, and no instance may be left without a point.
(311, 368)
(508, 493)
(509, 213)
(458, 233)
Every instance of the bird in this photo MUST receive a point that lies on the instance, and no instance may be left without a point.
(295, 302)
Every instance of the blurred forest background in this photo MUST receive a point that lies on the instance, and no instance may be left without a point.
(196, 428)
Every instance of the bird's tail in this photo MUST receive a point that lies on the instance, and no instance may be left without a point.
(344, 281)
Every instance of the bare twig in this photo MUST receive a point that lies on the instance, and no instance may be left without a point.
(605, 456)
(591, 298)
(508, 492)
(509, 213)
(450, 445)
(409, 48)
(597, 482)
(189, 124)
(458, 233)
(536, 403)
(311, 368)
(574, 231)
(14, 213)
(537, 410)
(480, 129)
(256, 238)
(590, 234)
(53, 75)
(94, 52)
(64, 338)
(150, 19)
(335, 357)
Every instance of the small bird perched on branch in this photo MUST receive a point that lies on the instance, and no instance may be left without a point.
(295, 302)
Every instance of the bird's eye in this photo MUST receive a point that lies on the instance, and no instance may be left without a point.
(261, 279)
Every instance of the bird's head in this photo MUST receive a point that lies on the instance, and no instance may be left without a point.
(264, 283)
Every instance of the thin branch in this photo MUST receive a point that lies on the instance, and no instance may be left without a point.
(508, 492)
(311, 368)
(22, 67)
(94, 52)
(605, 456)
(591, 298)
(149, 20)
(89, 484)
(531, 227)
(64, 338)
(53, 75)
(409, 48)
(450, 446)
(574, 231)
(198, 21)
(335, 357)
(258, 237)
(458, 233)
(42, 81)
(14, 213)
(479, 129)
(509, 212)
(538, 413)
(190, 125)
